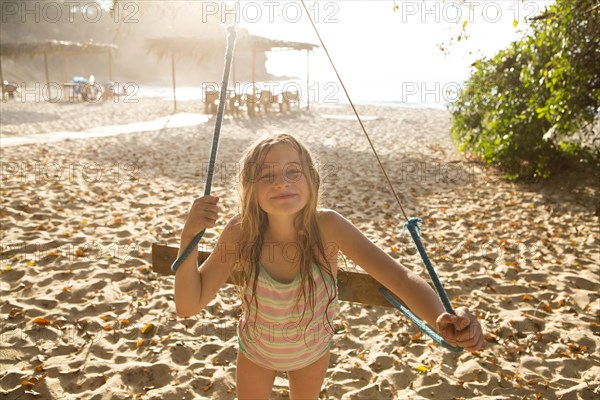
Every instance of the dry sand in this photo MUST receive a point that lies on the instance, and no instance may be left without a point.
(78, 218)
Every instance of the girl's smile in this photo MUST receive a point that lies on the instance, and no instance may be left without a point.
(284, 196)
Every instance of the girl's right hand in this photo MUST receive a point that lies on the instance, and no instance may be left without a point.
(203, 214)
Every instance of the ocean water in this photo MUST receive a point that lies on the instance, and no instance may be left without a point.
(408, 95)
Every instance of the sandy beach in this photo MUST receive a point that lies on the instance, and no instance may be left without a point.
(83, 316)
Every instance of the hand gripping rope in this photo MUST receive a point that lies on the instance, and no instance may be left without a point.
(411, 224)
(415, 232)
(232, 35)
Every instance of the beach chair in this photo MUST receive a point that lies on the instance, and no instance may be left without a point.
(266, 101)
(289, 99)
(108, 92)
(9, 89)
(251, 104)
(78, 86)
(234, 103)
(352, 286)
(211, 99)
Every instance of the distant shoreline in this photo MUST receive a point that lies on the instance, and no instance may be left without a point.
(191, 93)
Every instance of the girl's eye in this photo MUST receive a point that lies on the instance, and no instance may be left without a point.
(266, 177)
(293, 174)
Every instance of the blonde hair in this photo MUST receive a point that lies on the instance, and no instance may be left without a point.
(253, 223)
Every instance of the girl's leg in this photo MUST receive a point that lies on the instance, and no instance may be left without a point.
(253, 382)
(306, 383)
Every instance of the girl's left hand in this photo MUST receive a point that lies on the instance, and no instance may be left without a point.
(462, 329)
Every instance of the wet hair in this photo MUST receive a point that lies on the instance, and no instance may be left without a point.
(253, 223)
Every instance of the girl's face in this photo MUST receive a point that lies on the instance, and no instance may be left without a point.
(281, 187)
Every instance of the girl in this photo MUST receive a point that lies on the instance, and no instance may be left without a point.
(282, 251)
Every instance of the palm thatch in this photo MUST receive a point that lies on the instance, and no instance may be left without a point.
(258, 43)
(212, 45)
(53, 47)
(43, 48)
(202, 48)
(182, 47)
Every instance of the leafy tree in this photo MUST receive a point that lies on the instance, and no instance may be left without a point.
(536, 102)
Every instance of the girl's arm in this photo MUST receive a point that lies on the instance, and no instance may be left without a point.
(196, 286)
(418, 295)
(408, 286)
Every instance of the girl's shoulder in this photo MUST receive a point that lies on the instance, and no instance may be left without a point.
(232, 230)
(329, 220)
(328, 214)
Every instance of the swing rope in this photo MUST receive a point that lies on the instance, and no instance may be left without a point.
(412, 224)
(231, 37)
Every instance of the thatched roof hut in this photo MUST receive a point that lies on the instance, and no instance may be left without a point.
(258, 43)
(196, 48)
(200, 48)
(211, 47)
(32, 49)
(53, 46)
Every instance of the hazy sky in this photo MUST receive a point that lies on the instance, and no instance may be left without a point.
(375, 47)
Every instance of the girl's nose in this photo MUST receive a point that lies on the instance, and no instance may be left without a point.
(280, 180)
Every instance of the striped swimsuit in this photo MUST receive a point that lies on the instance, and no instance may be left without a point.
(275, 337)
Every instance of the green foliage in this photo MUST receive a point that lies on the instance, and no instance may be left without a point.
(535, 102)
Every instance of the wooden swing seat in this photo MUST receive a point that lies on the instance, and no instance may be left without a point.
(352, 286)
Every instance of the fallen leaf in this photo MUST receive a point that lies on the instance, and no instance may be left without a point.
(15, 311)
(147, 328)
(42, 321)
(139, 343)
(32, 381)
(421, 368)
